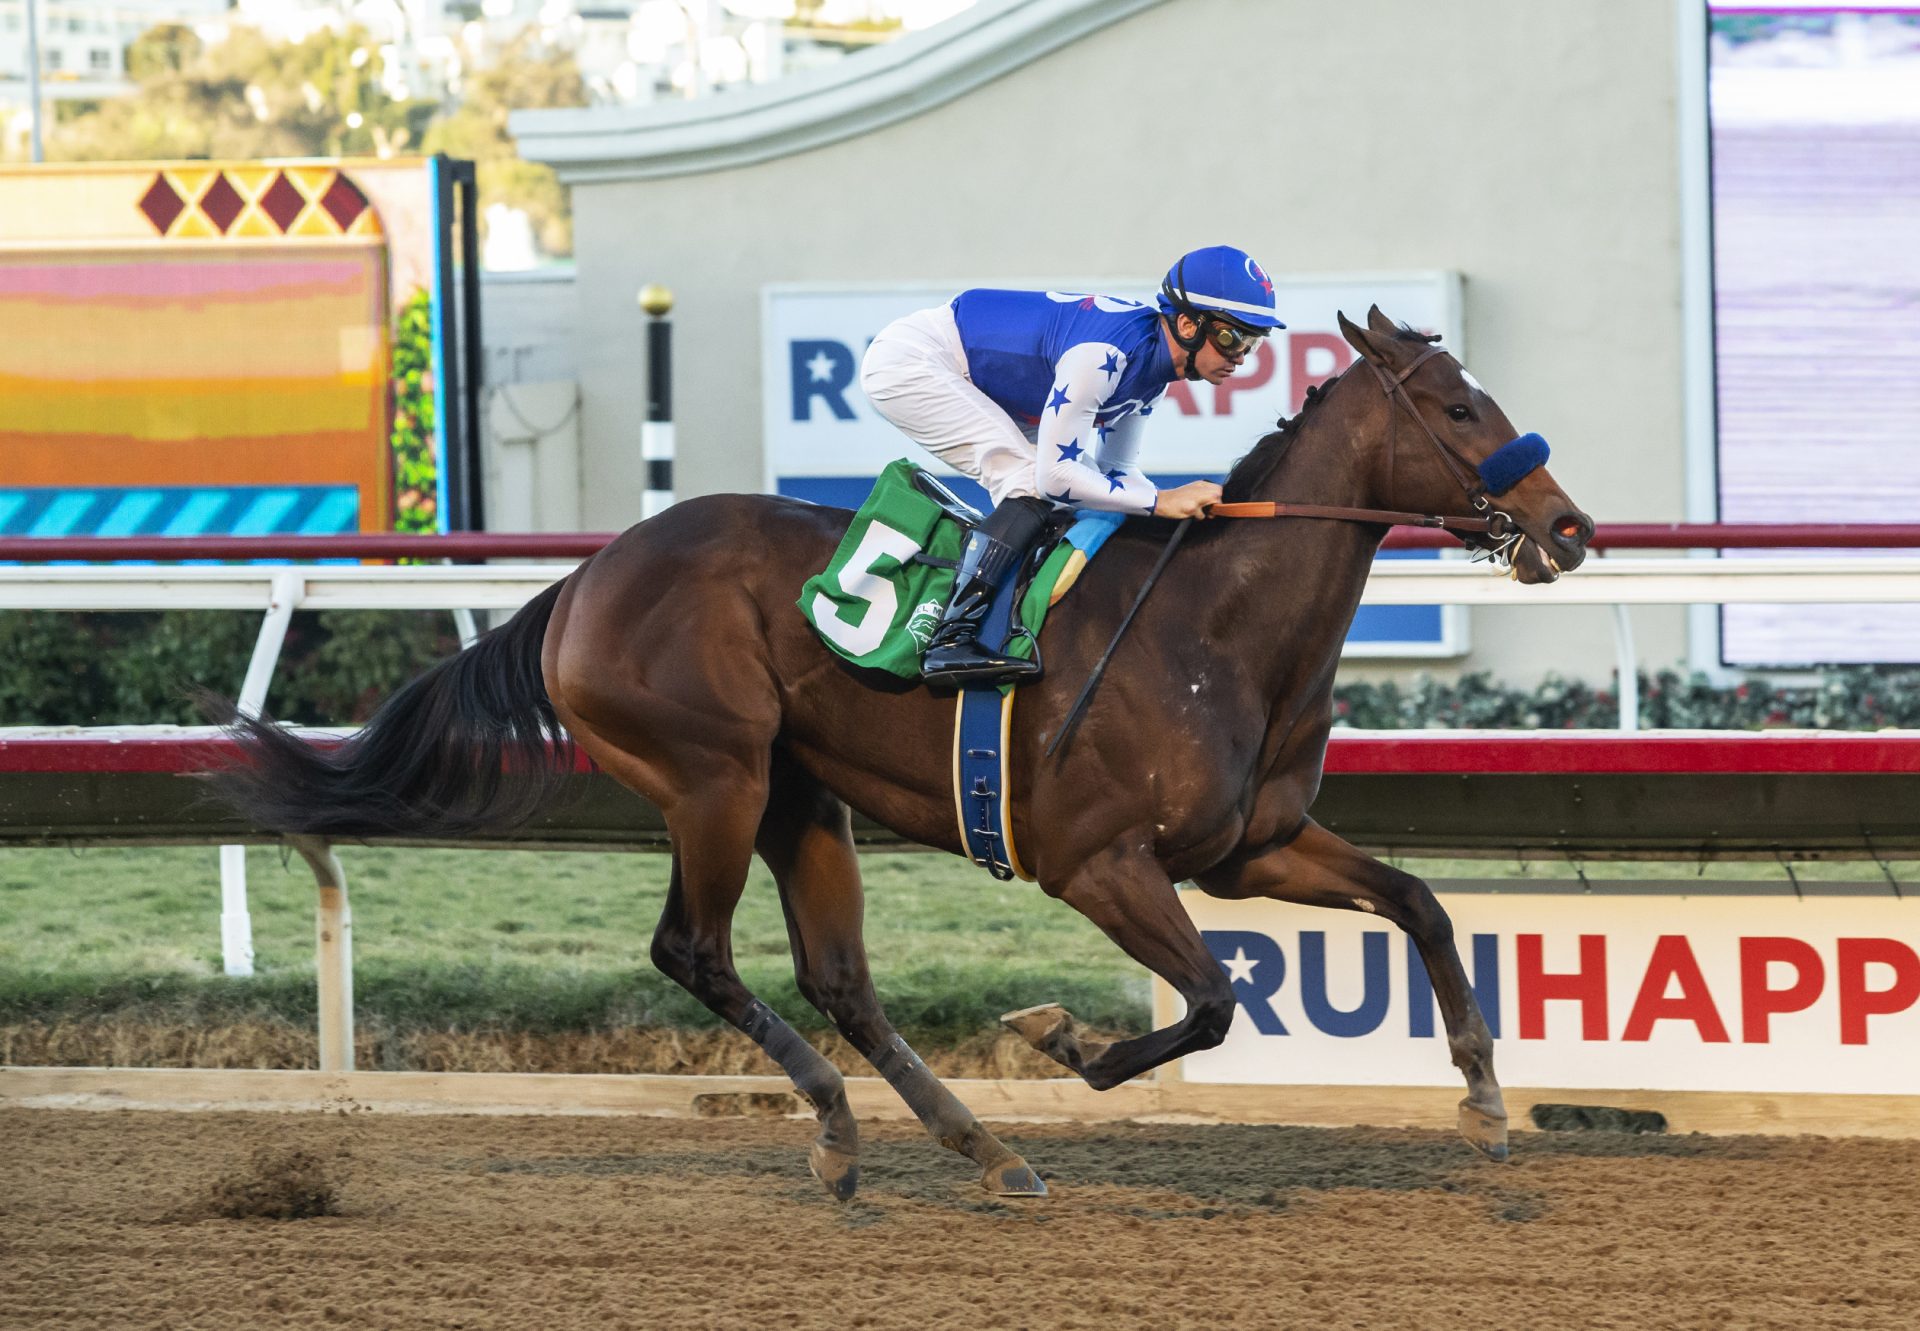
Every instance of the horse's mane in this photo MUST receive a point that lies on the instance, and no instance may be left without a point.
(1252, 471)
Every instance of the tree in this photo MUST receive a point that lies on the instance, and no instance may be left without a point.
(249, 97)
(246, 97)
(524, 75)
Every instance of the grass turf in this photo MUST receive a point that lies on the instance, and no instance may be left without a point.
(554, 942)
(463, 940)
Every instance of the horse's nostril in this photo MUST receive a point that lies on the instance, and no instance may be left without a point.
(1573, 530)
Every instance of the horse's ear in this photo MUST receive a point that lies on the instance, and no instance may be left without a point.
(1381, 324)
(1357, 335)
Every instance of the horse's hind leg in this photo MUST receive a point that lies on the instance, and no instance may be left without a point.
(1317, 868)
(806, 838)
(693, 946)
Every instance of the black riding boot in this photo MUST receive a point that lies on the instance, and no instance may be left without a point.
(954, 655)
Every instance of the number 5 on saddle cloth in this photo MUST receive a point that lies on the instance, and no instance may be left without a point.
(877, 602)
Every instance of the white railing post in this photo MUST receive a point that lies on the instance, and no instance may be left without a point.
(1626, 661)
(236, 921)
(465, 625)
(333, 953)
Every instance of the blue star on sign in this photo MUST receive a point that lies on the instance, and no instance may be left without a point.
(1114, 481)
(1112, 364)
(1072, 452)
(1059, 398)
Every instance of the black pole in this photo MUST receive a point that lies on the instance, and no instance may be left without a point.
(656, 436)
(450, 401)
(473, 352)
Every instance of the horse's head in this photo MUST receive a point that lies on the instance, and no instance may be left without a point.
(1443, 467)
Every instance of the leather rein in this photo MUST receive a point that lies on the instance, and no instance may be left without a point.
(1496, 525)
(1502, 533)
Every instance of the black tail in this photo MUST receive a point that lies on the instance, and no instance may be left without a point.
(471, 745)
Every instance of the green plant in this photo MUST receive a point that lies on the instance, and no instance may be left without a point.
(60, 668)
(415, 479)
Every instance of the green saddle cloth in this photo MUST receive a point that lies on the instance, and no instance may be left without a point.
(877, 603)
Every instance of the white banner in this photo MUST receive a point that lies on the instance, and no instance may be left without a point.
(1761, 994)
(825, 442)
(819, 423)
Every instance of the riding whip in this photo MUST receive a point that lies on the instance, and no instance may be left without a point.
(1100, 667)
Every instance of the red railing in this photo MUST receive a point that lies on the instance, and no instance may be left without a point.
(469, 546)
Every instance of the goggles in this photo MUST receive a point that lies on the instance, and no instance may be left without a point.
(1230, 338)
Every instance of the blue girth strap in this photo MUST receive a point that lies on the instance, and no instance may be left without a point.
(981, 727)
(983, 718)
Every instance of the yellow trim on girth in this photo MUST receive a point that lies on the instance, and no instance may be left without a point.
(1006, 783)
(959, 805)
(1006, 786)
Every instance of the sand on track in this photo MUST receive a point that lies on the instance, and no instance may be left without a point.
(488, 1223)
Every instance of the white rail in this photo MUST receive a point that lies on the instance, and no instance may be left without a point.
(278, 590)
(1799, 580)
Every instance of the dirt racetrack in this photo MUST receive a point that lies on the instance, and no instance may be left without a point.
(111, 1219)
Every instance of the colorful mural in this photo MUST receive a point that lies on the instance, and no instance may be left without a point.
(208, 348)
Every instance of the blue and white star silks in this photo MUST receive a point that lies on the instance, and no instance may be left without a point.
(1070, 368)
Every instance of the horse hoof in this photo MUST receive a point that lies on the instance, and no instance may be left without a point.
(1015, 1178)
(1485, 1132)
(1039, 1024)
(838, 1170)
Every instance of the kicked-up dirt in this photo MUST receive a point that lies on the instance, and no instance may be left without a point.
(228, 1220)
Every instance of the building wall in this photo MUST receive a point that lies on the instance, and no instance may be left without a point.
(1533, 147)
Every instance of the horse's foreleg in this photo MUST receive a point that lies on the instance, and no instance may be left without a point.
(806, 838)
(1317, 868)
(1135, 904)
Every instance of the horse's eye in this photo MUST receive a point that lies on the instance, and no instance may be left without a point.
(1458, 412)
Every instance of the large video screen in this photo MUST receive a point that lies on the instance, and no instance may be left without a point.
(1815, 113)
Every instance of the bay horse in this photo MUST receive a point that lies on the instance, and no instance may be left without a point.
(677, 658)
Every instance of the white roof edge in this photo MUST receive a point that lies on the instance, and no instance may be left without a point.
(863, 92)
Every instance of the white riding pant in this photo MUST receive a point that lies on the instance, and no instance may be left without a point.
(915, 374)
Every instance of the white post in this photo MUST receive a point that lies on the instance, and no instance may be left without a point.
(236, 922)
(333, 953)
(465, 625)
(34, 107)
(1626, 661)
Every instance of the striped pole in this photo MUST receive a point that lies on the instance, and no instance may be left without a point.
(656, 436)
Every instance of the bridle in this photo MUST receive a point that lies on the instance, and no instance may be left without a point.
(1503, 533)
(1495, 535)
(1500, 534)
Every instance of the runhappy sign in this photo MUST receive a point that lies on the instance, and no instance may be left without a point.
(1758, 994)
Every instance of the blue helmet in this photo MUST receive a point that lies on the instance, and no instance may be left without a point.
(1223, 282)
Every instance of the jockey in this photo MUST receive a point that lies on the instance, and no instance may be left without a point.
(1041, 397)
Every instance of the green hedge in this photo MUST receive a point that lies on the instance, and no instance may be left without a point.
(59, 668)
(1850, 698)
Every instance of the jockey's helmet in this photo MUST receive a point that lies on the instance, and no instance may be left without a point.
(1221, 282)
